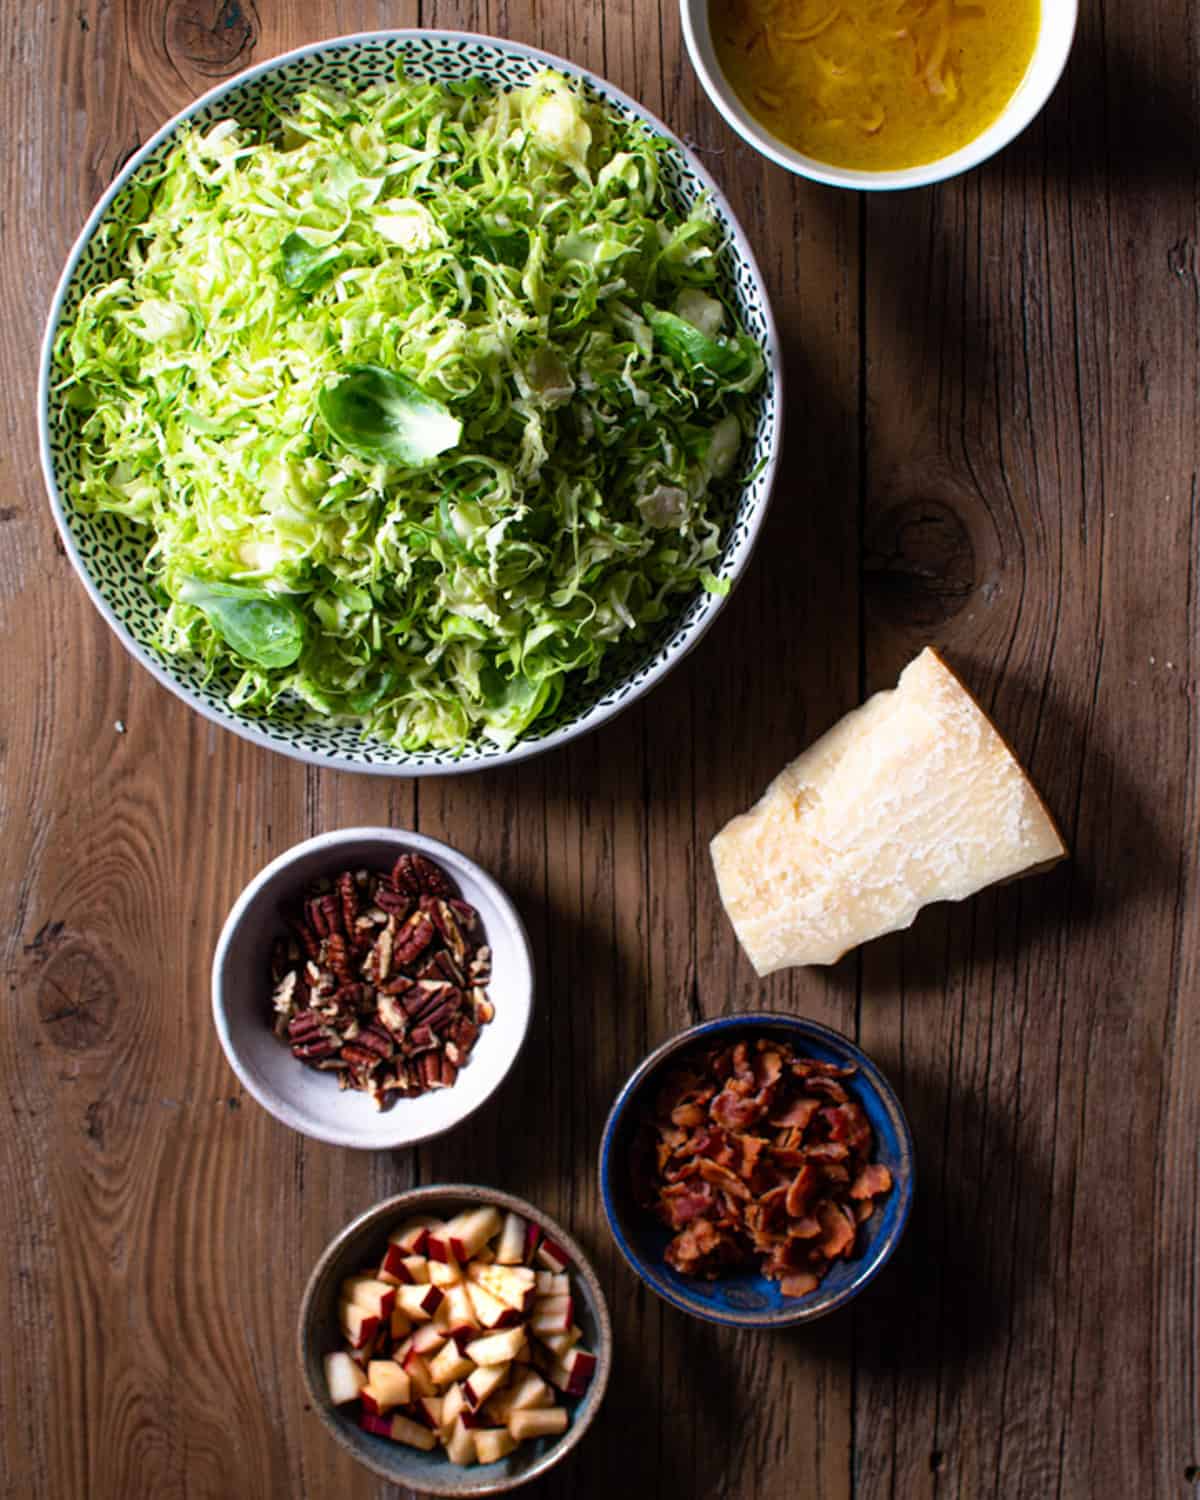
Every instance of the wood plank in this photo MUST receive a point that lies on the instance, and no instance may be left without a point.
(1029, 342)
(1012, 332)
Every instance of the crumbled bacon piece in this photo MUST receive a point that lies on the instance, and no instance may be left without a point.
(753, 1153)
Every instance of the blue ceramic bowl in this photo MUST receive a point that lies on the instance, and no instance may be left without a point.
(746, 1299)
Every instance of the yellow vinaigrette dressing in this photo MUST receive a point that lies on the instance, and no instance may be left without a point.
(875, 84)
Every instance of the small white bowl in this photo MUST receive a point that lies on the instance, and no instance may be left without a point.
(1055, 35)
(310, 1101)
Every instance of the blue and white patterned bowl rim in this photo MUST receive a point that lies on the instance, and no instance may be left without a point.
(875, 1093)
(107, 551)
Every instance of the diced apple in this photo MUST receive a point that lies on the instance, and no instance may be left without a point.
(453, 1402)
(532, 1235)
(370, 1422)
(403, 1429)
(343, 1377)
(510, 1247)
(573, 1374)
(427, 1338)
(461, 1319)
(515, 1286)
(551, 1256)
(358, 1325)
(559, 1343)
(552, 1315)
(449, 1365)
(397, 1268)
(418, 1302)
(468, 1232)
(430, 1410)
(460, 1445)
(491, 1312)
(413, 1235)
(388, 1384)
(493, 1443)
(496, 1348)
(482, 1383)
(546, 1422)
(370, 1293)
(524, 1354)
(417, 1369)
(484, 1257)
(401, 1324)
(445, 1272)
(526, 1391)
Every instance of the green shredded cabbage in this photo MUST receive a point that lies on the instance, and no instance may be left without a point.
(427, 399)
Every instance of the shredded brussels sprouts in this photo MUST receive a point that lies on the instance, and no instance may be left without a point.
(426, 400)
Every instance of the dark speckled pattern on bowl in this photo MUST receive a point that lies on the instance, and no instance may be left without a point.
(748, 1300)
(361, 1244)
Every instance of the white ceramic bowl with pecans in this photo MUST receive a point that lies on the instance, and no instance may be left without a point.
(446, 1082)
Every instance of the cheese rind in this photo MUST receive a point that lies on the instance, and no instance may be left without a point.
(912, 798)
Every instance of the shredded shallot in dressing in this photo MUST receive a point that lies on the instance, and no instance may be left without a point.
(875, 84)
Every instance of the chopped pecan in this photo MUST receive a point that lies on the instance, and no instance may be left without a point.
(394, 903)
(314, 1051)
(380, 968)
(347, 889)
(405, 877)
(284, 997)
(309, 942)
(432, 878)
(431, 1070)
(337, 956)
(413, 938)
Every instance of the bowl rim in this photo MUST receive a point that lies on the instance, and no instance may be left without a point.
(330, 842)
(248, 729)
(410, 1200)
(1019, 112)
(806, 1310)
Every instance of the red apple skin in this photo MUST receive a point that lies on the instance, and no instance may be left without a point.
(367, 1332)
(437, 1247)
(555, 1258)
(532, 1235)
(380, 1426)
(393, 1264)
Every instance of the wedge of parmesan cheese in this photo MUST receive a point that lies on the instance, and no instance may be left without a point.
(912, 798)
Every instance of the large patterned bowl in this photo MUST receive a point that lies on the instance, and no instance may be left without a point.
(108, 551)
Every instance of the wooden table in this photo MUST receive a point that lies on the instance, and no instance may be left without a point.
(994, 403)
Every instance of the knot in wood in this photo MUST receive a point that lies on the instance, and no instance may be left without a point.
(76, 994)
(919, 567)
(211, 37)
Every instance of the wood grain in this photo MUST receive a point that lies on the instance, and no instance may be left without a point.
(993, 407)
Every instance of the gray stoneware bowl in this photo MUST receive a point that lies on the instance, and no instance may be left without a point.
(744, 1299)
(361, 1244)
(108, 552)
(309, 1101)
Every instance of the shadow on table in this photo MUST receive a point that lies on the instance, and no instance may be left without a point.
(1117, 119)
(1123, 860)
(973, 1254)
